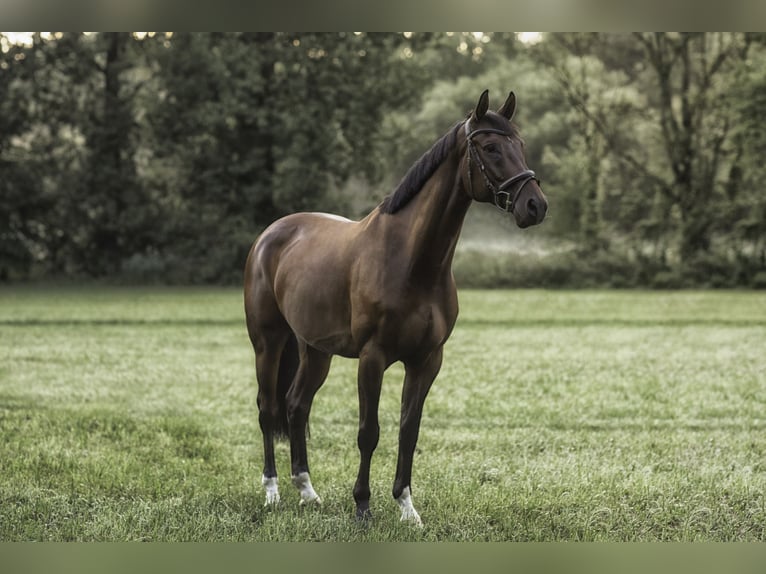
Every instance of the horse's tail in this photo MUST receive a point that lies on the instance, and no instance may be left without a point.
(288, 367)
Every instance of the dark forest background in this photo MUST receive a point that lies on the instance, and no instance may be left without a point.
(159, 157)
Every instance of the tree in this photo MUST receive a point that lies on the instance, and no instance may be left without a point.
(164, 155)
(112, 192)
(695, 122)
(247, 127)
(674, 137)
(598, 108)
(47, 92)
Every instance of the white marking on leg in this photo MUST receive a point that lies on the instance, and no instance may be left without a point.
(409, 514)
(303, 483)
(272, 490)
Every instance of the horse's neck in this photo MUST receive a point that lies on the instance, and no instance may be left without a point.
(435, 220)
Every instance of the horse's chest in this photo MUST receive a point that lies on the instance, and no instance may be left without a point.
(429, 324)
(417, 330)
(403, 320)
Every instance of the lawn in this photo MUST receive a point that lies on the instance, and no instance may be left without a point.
(129, 414)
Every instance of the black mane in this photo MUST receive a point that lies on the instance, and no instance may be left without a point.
(421, 171)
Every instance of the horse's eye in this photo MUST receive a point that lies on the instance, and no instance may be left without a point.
(491, 148)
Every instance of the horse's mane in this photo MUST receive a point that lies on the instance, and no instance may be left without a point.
(420, 172)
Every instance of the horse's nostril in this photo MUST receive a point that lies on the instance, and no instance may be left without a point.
(532, 208)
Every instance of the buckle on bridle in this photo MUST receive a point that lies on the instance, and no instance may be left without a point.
(510, 200)
(506, 205)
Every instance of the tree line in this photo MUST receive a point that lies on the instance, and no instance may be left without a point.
(161, 156)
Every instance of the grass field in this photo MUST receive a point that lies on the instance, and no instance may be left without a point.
(129, 414)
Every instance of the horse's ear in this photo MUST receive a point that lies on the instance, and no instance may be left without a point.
(482, 106)
(509, 107)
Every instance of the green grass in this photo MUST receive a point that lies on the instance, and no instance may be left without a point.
(129, 414)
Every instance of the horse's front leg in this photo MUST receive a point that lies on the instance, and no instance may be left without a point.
(369, 380)
(419, 375)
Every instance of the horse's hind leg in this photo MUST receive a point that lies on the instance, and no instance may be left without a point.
(270, 352)
(312, 372)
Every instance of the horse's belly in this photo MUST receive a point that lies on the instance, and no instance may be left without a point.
(317, 312)
(337, 345)
(333, 343)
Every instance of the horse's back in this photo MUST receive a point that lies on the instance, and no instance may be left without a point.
(294, 230)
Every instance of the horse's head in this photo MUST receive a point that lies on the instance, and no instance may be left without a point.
(496, 170)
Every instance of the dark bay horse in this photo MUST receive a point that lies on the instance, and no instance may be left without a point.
(380, 289)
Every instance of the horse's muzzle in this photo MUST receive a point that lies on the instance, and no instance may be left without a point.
(531, 206)
(536, 209)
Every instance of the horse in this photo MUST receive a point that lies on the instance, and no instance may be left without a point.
(379, 289)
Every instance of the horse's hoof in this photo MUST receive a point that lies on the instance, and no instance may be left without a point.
(308, 495)
(363, 515)
(272, 499)
(409, 514)
(413, 519)
(272, 490)
(310, 500)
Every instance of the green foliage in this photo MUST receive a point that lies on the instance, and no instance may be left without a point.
(613, 268)
(129, 414)
(159, 158)
(474, 269)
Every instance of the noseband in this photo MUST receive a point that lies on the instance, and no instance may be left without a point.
(504, 199)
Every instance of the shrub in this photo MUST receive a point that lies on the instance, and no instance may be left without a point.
(667, 280)
(759, 280)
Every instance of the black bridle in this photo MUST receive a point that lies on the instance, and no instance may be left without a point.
(504, 199)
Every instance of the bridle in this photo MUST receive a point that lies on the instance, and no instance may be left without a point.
(504, 199)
